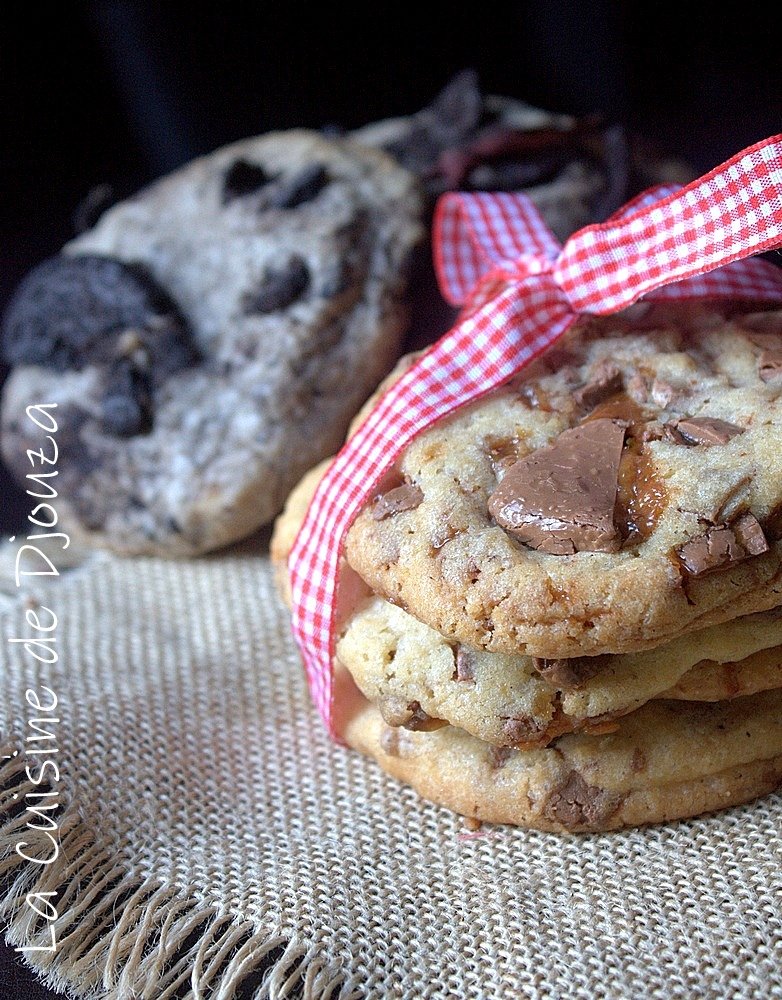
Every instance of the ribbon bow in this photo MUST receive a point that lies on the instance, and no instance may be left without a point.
(521, 291)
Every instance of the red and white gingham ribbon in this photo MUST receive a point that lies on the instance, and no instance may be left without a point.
(521, 291)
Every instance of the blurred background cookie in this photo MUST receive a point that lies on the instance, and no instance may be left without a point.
(209, 339)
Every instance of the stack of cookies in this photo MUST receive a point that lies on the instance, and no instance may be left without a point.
(567, 611)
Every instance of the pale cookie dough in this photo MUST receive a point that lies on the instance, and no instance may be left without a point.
(415, 676)
(674, 526)
(251, 302)
(667, 761)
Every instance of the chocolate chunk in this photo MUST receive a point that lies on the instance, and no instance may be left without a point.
(723, 545)
(296, 190)
(408, 714)
(465, 665)
(70, 311)
(405, 497)
(574, 803)
(770, 365)
(702, 430)
(243, 178)
(570, 673)
(561, 499)
(278, 289)
(606, 381)
(522, 732)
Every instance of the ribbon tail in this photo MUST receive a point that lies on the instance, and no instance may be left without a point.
(730, 213)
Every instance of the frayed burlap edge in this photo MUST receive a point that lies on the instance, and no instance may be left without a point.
(122, 937)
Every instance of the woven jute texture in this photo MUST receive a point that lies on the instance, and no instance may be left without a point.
(214, 843)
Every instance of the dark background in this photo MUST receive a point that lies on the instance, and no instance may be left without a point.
(118, 93)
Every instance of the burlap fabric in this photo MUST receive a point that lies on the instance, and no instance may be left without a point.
(215, 844)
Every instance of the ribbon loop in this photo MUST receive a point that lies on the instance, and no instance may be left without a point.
(728, 214)
(476, 234)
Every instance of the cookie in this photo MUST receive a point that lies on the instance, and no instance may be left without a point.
(417, 678)
(667, 761)
(209, 339)
(713, 681)
(577, 170)
(623, 492)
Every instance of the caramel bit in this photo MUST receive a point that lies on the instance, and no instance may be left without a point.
(502, 451)
(574, 803)
(702, 430)
(572, 672)
(641, 495)
(405, 497)
(534, 396)
(409, 715)
(561, 499)
(723, 545)
(472, 823)
(443, 533)
(770, 365)
(464, 669)
(606, 381)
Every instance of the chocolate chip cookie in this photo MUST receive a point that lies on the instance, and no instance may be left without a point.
(564, 602)
(667, 761)
(625, 491)
(209, 339)
(418, 679)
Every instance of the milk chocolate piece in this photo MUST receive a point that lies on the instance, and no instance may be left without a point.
(703, 430)
(770, 365)
(569, 673)
(465, 665)
(575, 803)
(723, 545)
(405, 497)
(410, 715)
(561, 499)
(606, 381)
(521, 732)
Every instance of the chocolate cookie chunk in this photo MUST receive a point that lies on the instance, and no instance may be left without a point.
(199, 344)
